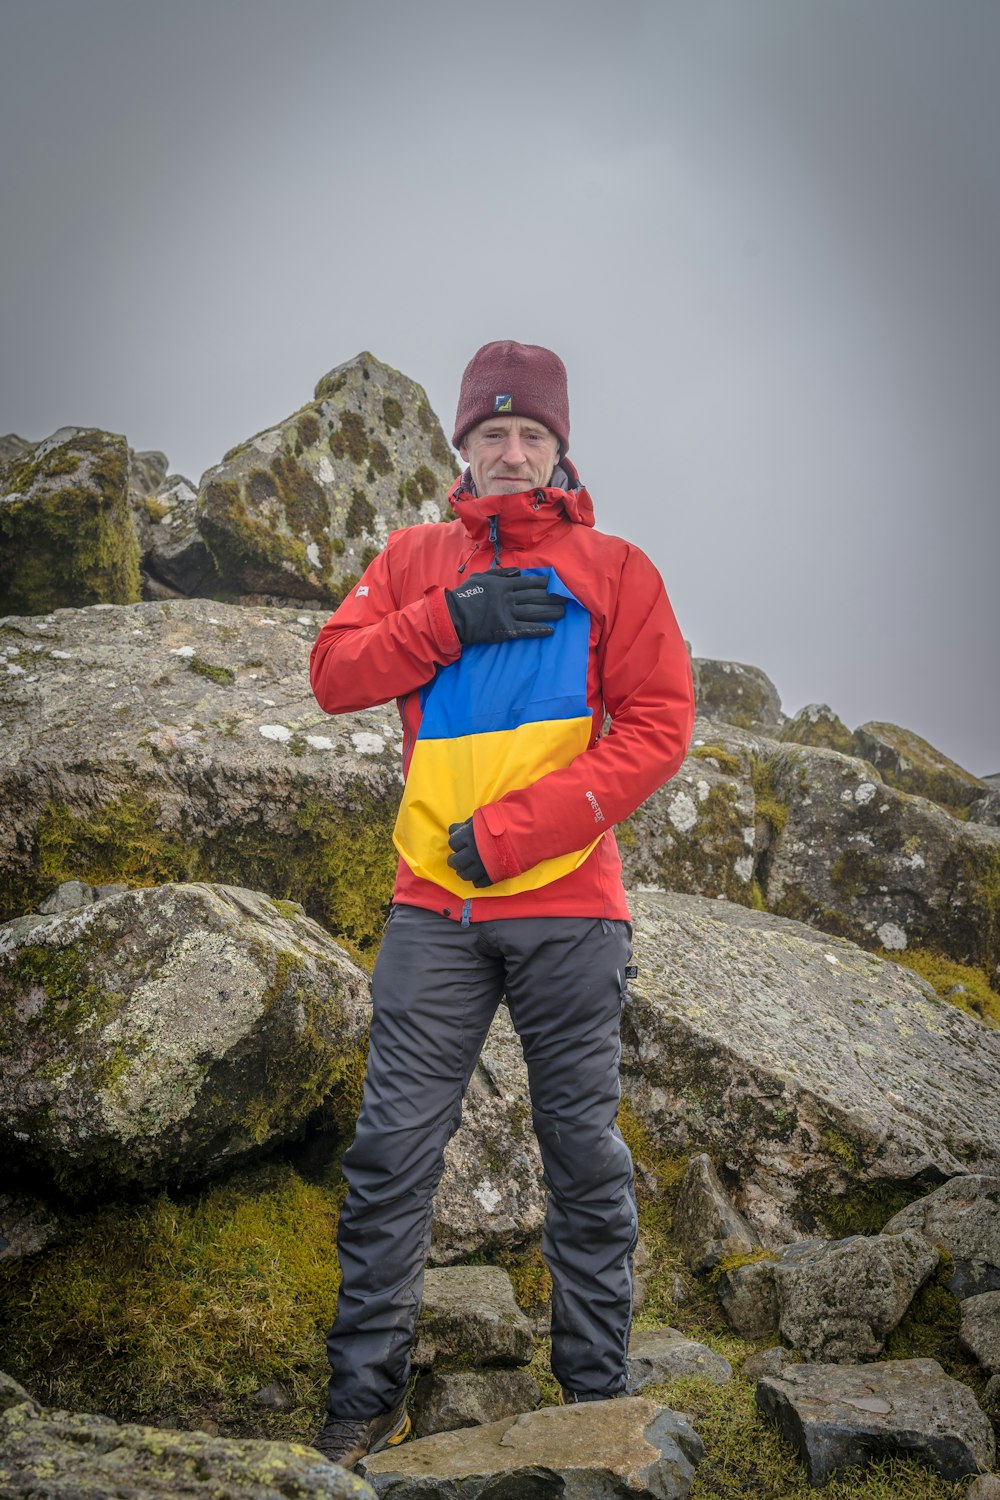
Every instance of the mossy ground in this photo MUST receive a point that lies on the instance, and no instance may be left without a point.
(943, 974)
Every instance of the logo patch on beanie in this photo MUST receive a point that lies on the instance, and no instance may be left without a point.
(502, 403)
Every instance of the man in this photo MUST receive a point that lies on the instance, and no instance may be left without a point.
(507, 636)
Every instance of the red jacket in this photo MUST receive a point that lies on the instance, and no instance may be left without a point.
(551, 783)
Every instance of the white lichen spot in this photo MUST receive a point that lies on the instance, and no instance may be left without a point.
(61, 655)
(701, 788)
(312, 552)
(302, 620)
(267, 622)
(647, 890)
(847, 795)
(487, 1195)
(430, 511)
(268, 442)
(367, 744)
(324, 470)
(831, 958)
(319, 742)
(891, 936)
(864, 793)
(13, 670)
(744, 867)
(213, 621)
(104, 606)
(182, 651)
(275, 732)
(683, 813)
(749, 837)
(696, 742)
(916, 862)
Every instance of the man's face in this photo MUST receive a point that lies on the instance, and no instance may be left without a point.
(510, 454)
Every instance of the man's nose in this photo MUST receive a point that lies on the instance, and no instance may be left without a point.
(513, 452)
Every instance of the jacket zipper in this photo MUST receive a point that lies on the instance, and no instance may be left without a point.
(495, 539)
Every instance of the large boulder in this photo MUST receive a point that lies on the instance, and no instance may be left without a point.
(624, 1448)
(842, 1417)
(980, 1330)
(817, 724)
(176, 741)
(300, 509)
(175, 559)
(161, 1034)
(737, 694)
(816, 1075)
(468, 1316)
(67, 536)
(67, 1457)
(831, 1301)
(912, 764)
(963, 1217)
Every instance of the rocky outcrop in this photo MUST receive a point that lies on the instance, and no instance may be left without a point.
(622, 1448)
(705, 1225)
(841, 1418)
(819, 726)
(67, 536)
(911, 764)
(62, 1456)
(813, 1072)
(161, 1034)
(963, 1218)
(300, 509)
(175, 559)
(173, 741)
(832, 1301)
(737, 694)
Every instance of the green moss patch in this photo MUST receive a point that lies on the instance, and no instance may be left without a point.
(221, 675)
(392, 413)
(975, 997)
(183, 1306)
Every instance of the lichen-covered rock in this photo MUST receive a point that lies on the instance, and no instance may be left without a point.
(773, 1361)
(65, 1457)
(963, 1217)
(12, 447)
(158, 1035)
(980, 1331)
(817, 724)
(302, 508)
(986, 1487)
(986, 809)
(449, 1399)
(468, 1316)
(67, 536)
(737, 694)
(857, 857)
(705, 1225)
(656, 1355)
(823, 1077)
(146, 472)
(595, 1451)
(174, 741)
(840, 1418)
(911, 764)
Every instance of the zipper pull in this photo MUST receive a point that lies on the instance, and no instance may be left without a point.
(495, 539)
(468, 560)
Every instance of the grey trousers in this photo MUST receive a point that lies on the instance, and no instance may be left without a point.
(435, 990)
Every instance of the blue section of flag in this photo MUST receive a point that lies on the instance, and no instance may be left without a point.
(510, 683)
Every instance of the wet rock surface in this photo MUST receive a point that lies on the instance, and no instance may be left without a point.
(602, 1450)
(841, 1417)
(963, 1217)
(160, 1034)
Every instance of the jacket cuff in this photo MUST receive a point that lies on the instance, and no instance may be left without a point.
(442, 625)
(493, 845)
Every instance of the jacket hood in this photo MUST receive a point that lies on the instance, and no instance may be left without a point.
(528, 513)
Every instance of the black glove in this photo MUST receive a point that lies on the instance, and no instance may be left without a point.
(502, 606)
(466, 861)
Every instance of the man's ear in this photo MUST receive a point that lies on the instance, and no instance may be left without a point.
(463, 453)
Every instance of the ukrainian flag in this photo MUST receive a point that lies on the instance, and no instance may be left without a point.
(494, 721)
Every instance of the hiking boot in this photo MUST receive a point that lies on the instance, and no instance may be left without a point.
(346, 1440)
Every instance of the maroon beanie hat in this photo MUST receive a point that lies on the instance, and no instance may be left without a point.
(514, 380)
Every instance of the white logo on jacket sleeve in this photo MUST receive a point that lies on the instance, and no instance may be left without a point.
(598, 815)
(362, 592)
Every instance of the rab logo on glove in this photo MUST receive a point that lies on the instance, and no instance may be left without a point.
(502, 403)
(468, 593)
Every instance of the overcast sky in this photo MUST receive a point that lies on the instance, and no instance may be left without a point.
(764, 235)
